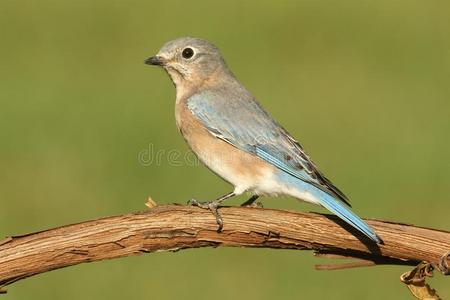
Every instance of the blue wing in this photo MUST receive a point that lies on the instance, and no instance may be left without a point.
(238, 119)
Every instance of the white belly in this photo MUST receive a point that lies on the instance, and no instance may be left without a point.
(264, 182)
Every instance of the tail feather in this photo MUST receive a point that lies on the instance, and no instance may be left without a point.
(348, 216)
(310, 193)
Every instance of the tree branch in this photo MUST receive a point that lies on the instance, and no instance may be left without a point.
(174, 227)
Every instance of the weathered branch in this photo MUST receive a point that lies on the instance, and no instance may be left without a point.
(173, 227)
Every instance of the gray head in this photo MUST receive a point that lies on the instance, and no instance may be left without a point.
(189, 60)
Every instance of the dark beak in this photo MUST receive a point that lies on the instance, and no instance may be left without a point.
(154, 61)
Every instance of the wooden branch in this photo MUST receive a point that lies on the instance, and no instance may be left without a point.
(174, 227)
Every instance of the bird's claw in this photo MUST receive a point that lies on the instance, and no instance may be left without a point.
(212, 206)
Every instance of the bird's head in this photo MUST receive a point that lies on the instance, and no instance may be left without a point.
(189, 61)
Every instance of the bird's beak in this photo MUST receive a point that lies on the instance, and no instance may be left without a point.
(155, 61)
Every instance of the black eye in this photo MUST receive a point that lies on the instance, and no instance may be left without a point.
(187, 53)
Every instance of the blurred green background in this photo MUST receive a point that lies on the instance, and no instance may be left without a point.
(364, 85)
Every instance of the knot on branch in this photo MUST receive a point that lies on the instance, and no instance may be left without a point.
(443, 264)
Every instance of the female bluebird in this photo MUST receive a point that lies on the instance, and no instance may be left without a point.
(237, 139)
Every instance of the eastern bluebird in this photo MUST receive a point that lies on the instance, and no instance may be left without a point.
(237, 139)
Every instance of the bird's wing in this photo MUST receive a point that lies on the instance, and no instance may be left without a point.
(240, 121)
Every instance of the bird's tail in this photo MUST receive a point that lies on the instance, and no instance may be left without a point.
(338, 208)
(343, 212)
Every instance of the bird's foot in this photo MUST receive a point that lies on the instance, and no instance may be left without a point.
(213, 207)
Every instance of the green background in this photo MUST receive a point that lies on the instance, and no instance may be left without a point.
(364, 85)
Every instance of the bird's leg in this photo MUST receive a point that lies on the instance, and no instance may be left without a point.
(213, 207)
(252, 202)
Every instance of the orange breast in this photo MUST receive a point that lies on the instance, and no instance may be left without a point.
(233, 165)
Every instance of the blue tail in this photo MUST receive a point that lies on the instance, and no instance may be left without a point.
(335, 206)
(341, 210)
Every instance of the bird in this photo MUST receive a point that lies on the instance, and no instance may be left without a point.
(236, 138)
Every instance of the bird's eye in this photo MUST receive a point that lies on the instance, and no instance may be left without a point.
(187, 53)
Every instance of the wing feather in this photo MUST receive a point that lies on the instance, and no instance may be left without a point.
(239, 120)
